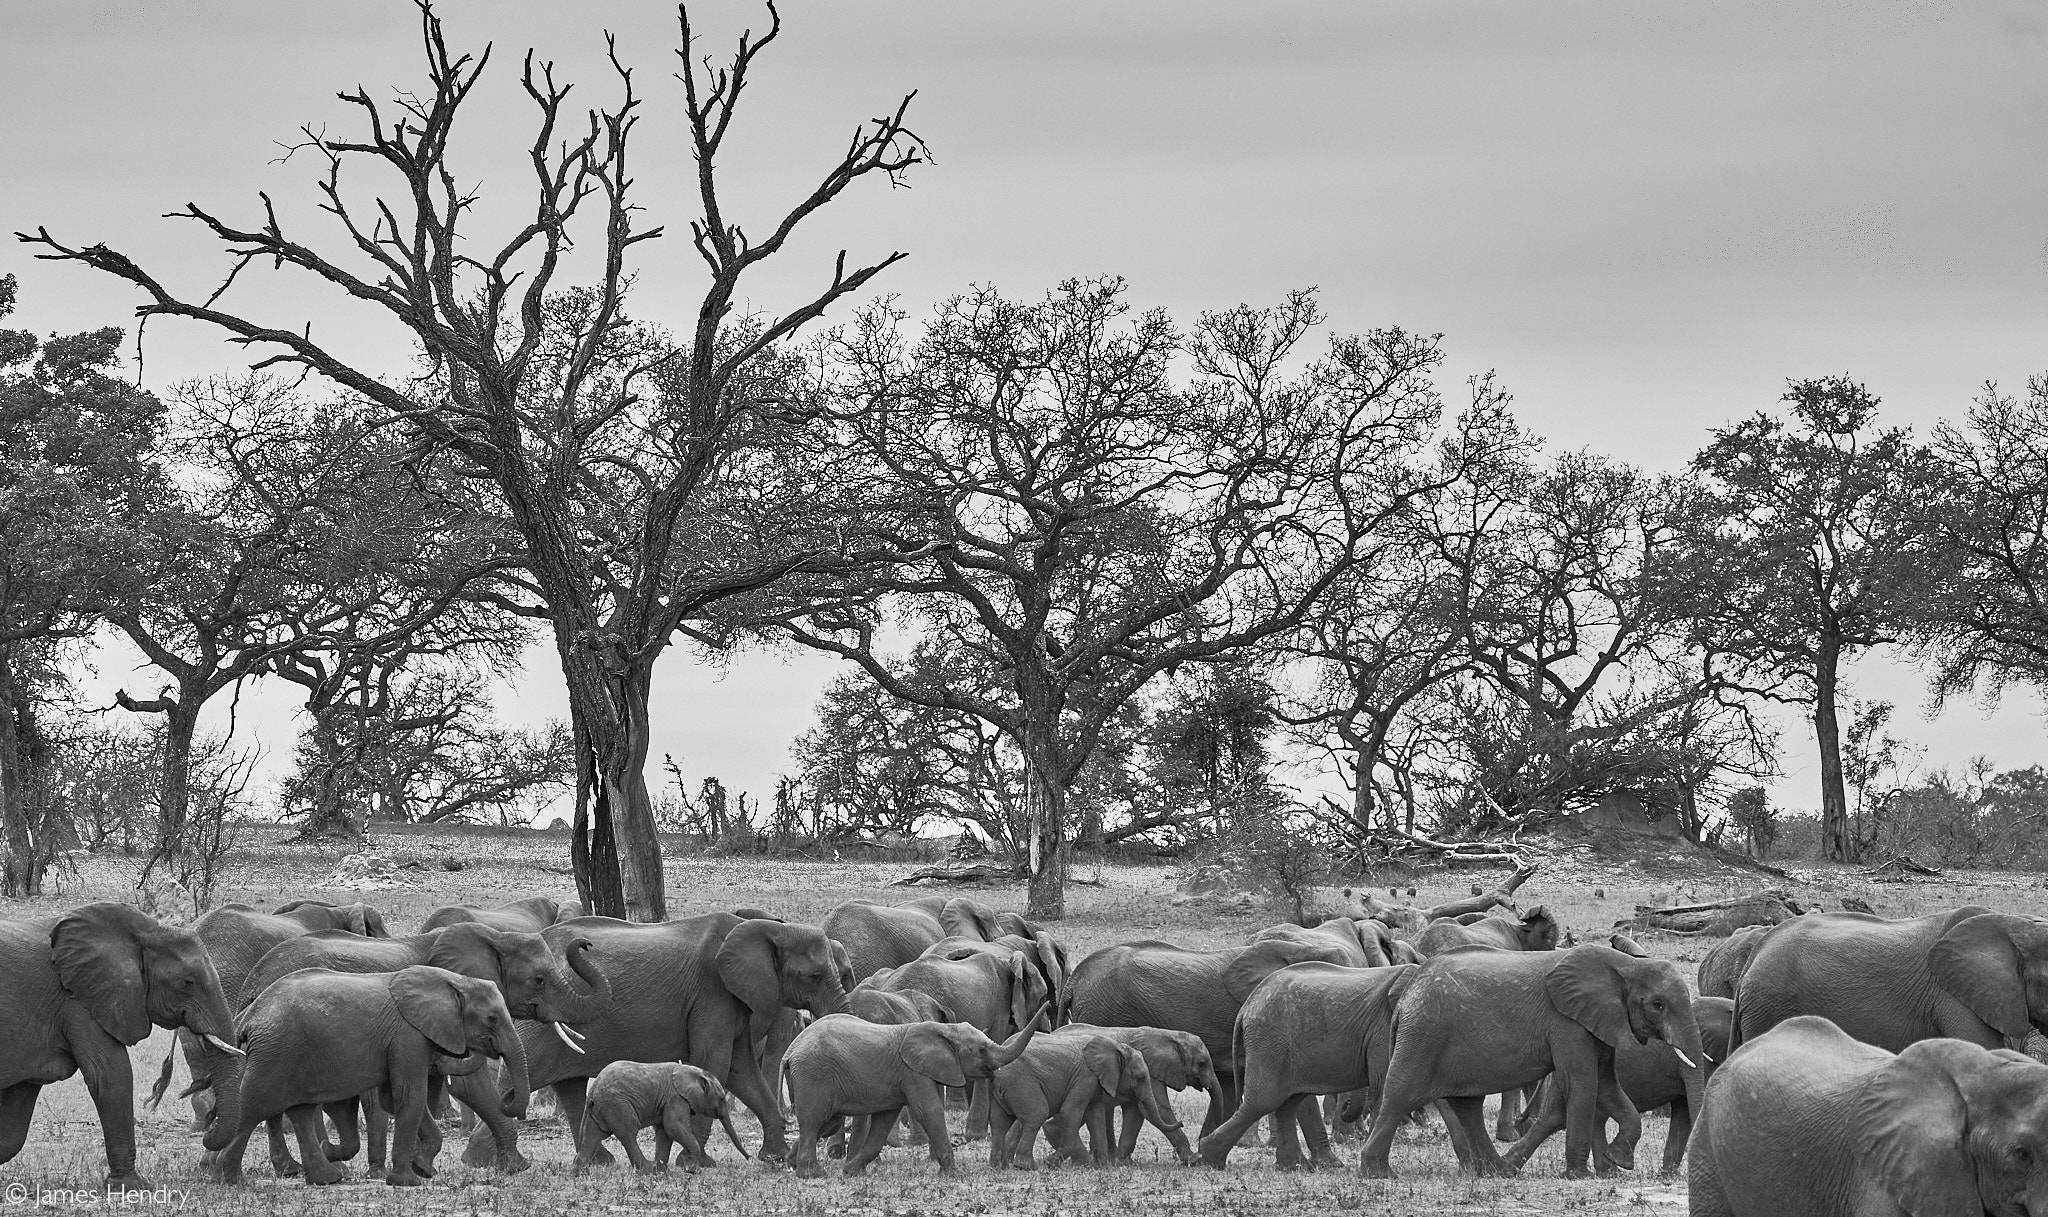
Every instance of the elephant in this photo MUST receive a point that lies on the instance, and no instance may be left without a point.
(1970, 974)
(892, 1009)
(677, 1101)
(705, 990)
(1476, 1022)
(990, 989)
(81, 989)
(1308, 1029)
(1366, 943)
(531, 915)
(1041, 951)
(1806, 1120)
(843, 1066)
(889, 935)
(1725, 963)
(236, 937)
(538, 980)
(1158, 984)
(1060, 1082)
(1651, 1076)
(319, 1037)
(1535, 930)
(1176, 1060)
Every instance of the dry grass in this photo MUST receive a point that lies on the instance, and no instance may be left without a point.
(64, 1148)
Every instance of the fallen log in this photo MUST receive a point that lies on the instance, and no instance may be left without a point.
(977, 872)
(1504, 895)
(1715, 918)
(1896, 870)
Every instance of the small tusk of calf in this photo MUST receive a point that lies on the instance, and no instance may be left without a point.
(224, 1046)
(563, 1032)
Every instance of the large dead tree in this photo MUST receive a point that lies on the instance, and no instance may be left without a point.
(630, 468)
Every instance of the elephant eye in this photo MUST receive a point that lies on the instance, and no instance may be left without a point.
(2021, 1154)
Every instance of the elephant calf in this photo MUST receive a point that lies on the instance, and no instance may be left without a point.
(844, 1066)
(677, 1101)
(318, 1037)
(1177, 1060)
(1061, 1081)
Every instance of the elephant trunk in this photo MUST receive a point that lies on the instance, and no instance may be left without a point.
(732, 1134)
(1155, 1106)
(578, 1003)
(1681, 1030)
(512, 1050)
(226, 1071)
(1014, 1046)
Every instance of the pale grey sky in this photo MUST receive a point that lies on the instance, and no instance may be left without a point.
(1644, 216)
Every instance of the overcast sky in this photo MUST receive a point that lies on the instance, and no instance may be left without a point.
(1645, 217)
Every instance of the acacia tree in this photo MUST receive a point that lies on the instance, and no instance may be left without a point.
(1090, 523)
(78, 465)
(1990, 625)
(615, 454)
(294, 530)
(1818, 541)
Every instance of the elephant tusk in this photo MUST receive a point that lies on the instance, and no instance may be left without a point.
(1681, 1056)
(563, 1032)
(224, 1046)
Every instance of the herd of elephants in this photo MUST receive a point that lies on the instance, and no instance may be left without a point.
(1833, 1063)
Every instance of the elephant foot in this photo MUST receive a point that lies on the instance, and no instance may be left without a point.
(1374, 1170)
(1325, 1162)
(511, 1162)
(286, 1167)
(423, 1167)
(1214, 1155)
(1577, 1172)
(127, 1181)
(402, 1179)
(324, 1174)
(486, 1154)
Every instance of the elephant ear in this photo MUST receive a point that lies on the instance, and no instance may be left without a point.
(1022, 998)
(97, 951)
(1585, 987)
(1260, 960)
(1910, 1121)
(928, 1049)
(1105, 1058)
(750, 964)
(1978, 964)
(372, 922)
(432, 1003)
(967, 919)
(468, 948)
(1626, 945)
(694, 1088)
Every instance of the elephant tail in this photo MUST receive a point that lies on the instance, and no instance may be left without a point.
(163, 1077)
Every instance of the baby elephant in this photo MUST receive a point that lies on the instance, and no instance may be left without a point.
(1060, 1081)
(677, 1101)
(318, 1037)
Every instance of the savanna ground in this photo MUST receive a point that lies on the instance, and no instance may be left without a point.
(1111, 904)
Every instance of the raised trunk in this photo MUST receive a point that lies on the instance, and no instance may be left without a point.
(26, 856)
(1014, 1046)
(1836, 839)
(580, 1005)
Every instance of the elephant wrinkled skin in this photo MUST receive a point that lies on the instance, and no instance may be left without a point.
(677, 1101)
(1804, 1121)
(81, 989)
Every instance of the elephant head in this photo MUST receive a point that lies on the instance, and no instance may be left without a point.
(1997, 965)
(969, 919)
(771, 964)
(1538, 930)
(536, 982)
(1614, 995)
(952, 1054)
(129, 971)
(465, 1019)
(1948, 1127)
(697, 1093)
(1121, 1072)
(1190, 1066)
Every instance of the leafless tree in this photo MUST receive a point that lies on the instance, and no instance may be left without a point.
(629, 468)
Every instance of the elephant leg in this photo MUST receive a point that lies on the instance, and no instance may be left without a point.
(1581, 1068)
(1315, 1136)
(629, 1140)
(664, 1145)
(478, 1093)
(348, 1138)
(282, 1164)
(17, 1106)
(1675, 1140)
(408, 1110)
(1542, 1121)
(928, 1108)
(110, 1079)
(734, 1063)
(226, 1165)
(1470, 1113)
(569, 1096)
(851, 1131)
(1340, 1129)
(312, 1133)
(1615, 1105)
(1285, 1122)
(1461, 1145)
(999, 1123)
(1024, 1140)
(1101, 1145)
(1404, 1088)
(860, 1153)
(977, 1109)
(377, 1133)
(1222, 1101)
(1127, 1133)
(429, 1146)
(1262, 1098)
(685, 1133)
(810, 1122)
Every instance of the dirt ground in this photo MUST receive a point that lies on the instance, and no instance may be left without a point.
(1107, 904)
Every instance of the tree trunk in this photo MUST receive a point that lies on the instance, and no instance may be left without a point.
(328, 817)
(174, 800)
(1045, 803)
(25, 857)
(1836, 840)
(616, 855)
